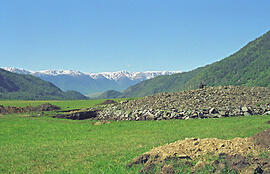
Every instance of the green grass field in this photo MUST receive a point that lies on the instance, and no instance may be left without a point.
(49, 145)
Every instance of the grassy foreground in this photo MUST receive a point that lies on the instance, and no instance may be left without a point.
(48, 145)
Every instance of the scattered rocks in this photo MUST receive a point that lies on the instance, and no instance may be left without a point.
(211, 102)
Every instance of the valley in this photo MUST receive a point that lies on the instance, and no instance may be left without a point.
(213, 119)
(35, 143)
(92, 83)
(135, 87)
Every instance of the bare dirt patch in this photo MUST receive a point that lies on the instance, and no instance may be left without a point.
(40, 108)
(236, 155)
(262, 139)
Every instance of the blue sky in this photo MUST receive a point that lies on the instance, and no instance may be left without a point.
(133, 35)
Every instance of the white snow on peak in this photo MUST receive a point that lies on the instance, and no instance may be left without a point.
(131, 75)
(59, 72)
(103, 75)
(43, 72)
(17, 70)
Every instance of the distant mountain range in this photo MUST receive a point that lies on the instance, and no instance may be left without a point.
(27, 87)
(89, 83)
(250, 66)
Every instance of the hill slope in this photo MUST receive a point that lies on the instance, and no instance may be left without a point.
(250, 66)
(108, 95)
(91, 83)
(28, 87)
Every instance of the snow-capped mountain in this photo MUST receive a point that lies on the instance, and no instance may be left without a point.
(131, 75)
(88, 83)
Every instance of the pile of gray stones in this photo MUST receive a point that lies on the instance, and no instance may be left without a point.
(210, 102)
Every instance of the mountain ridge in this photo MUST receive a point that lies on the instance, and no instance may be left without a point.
(27, 87)
(88, 83)
(249, 66)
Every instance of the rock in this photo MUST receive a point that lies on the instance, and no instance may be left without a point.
(182, 156)
(224, 113)
(245, 109)
(267, 113)
(258, 170)
(246, 114)
(213, 111)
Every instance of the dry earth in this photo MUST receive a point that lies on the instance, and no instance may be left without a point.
(241, 155)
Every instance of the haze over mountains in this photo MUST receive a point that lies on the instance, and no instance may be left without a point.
(88, 83)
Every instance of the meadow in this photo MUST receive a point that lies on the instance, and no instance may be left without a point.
(40, 144)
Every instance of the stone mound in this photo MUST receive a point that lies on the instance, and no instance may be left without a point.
(211, 102)
(239, 153)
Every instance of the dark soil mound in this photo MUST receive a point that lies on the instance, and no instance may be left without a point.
(40, 108)
(263, 138)
(79, 115)
(46, 107)
(108, 102)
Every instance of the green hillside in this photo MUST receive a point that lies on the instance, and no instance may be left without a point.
(250, 66)
(109, 94)
(27, 87)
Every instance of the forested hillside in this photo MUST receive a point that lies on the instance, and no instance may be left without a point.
(28, 87)
(250, 66)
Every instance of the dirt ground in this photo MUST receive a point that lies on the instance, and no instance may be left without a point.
(241, 155)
